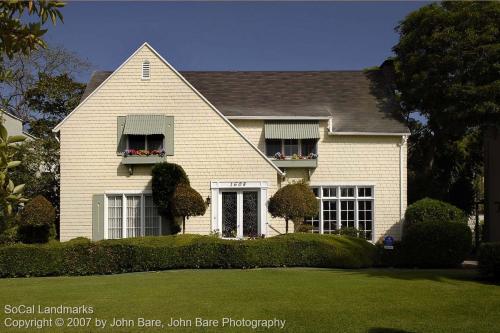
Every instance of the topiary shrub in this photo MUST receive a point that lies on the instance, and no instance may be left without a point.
(37, 222)
(293, 202)
(187, 202)
(166, 177)
(489, 260)
(436, 244)
(431, 210)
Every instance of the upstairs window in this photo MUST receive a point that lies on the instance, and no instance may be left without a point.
(146, 70)
(145, 142)
(290, 147)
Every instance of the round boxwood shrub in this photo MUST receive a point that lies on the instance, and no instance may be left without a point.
(37, 221)
(436, 244)
(187, 202)
(293, 202)
(431, 210)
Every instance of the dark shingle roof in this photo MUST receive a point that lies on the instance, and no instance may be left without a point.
(348, 96)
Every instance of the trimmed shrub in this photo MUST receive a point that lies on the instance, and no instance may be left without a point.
(166, 177)
(293, 202)
(433, 245)
(82, 257)
(37, 224)
(489, 260)
(187, 202)
(431, 210)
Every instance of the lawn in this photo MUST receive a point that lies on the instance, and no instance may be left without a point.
(310, 300)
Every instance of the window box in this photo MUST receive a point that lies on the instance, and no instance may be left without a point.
(298, 163)
(142, 159)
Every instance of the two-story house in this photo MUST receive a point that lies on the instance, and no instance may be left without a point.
(240, 136)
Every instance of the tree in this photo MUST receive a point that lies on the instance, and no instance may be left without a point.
(293, 202)
(37, 221)
(40, 80)
(17, 36)
(40, 170)
(10, 194)
(187, 202)
(446, 70)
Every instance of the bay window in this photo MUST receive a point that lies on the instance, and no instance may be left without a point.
(131, 215)
(343, 207)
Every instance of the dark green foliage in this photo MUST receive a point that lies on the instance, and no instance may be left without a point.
(81, 257)
(446, 69)
(166, 177)
(436, 244)
(293, 202)
(489, 260)
(187, 202)
(431, 210)
(37, 221)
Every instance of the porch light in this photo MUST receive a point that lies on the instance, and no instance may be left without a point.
(208, 200)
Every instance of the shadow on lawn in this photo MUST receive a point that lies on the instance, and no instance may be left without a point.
(386, 330)
(437, 275)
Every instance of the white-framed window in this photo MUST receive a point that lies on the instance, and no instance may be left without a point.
(344, 207)
(290, 147)
(130, 214)
(146, 70)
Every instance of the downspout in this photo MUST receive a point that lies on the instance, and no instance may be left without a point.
(401, 145)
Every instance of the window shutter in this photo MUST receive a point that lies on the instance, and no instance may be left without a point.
(121, 140)
(169, 136)
(97, 217)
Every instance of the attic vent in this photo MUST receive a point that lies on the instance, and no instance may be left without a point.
(146, 71)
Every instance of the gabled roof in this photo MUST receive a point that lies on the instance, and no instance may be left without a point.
(349, 97)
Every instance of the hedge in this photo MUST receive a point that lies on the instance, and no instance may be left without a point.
(489, 260)
(436, 245)
(82, 257)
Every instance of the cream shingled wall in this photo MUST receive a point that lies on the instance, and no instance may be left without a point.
(205, 145)
(355, 160)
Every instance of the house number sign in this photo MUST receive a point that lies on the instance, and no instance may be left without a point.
(238, 184)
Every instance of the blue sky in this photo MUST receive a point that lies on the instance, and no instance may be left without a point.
(234, 35)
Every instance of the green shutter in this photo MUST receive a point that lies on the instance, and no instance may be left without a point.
(121, 140)
(97, 217)
(169, 136)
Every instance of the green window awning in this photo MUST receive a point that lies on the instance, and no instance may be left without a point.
(291, 129)
(148, 124)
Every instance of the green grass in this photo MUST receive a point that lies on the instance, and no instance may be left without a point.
(310, 300)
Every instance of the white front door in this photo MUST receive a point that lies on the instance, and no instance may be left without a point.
(239, 213)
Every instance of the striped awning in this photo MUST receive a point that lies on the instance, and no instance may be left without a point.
(291, 130)
(147, 124)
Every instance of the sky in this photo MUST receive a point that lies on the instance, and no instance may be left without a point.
(234, 35)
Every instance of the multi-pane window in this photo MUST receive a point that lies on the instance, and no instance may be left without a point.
(344, 207)
(132, 215)
(290, 147)
(145, 142)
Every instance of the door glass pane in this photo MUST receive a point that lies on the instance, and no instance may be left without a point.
(229, 214)
(250, 214)
(137, 142)
(153, 219)
(347, 213)
(115, 218)
(329, 216)
(134, 216)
